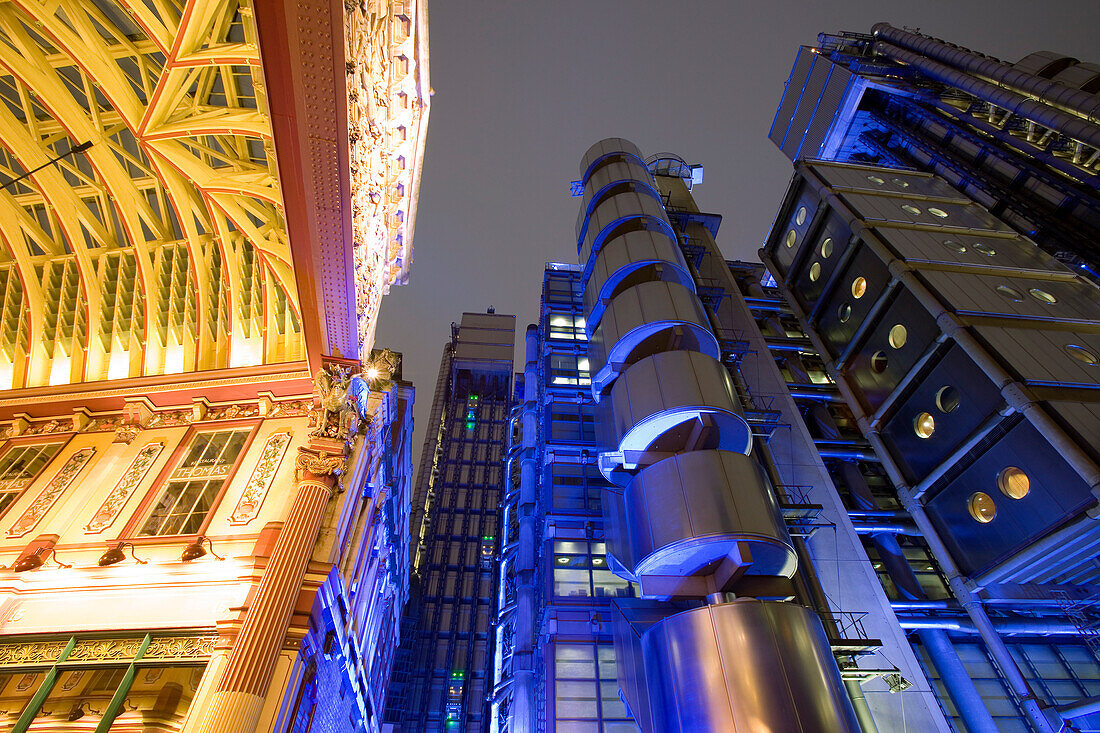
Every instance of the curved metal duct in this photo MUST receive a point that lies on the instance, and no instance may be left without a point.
(669, 403)
(619, 214)
(646, 319)
(609, 148)
(1053, 93)
(616, 177)
(628, 260)
(744, 667)
(698, 522)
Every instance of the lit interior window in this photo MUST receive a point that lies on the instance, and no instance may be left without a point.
(985, 249)
(898, 335)
(981, 507)
(1042, 296)
(791, 237)
(947, 399)
(815, 271)
(876, 180)
(910, 209)
(800, 217)
(1011, 293)
(844, 312)
(827, 247)
(859, 287)
(1013, 483)
(900, 183)
(954, 246)
(937, 212)
(1083, 354)
(924, 425)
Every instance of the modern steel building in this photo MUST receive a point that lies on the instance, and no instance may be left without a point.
(854, 471)
(966, 358)
(443, 672)
(1022, 139)
(205, 466)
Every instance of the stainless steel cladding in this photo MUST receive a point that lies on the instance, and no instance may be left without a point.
(697, 523)
(649, 318)
(630, 259)
(668, 403)
(746, 666)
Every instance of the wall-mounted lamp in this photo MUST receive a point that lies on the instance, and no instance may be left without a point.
(195, 550)
(79, 712)
(116, 555)
(34, 561)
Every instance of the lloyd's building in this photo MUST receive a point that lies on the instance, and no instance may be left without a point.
(204, 465)
(842, 493)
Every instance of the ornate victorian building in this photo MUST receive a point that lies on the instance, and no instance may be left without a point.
(204, 466)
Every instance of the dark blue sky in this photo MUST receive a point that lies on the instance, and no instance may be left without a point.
(522, 88)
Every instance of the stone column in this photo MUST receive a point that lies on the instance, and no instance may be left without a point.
(240, 694)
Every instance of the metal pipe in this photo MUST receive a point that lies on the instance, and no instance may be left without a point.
(1067, 124)
(968, 701)
(1080, 708)
(802, 392)
(857, 514)
(941, 605)
(1053, 93)
(888, 527)
(1036, 627)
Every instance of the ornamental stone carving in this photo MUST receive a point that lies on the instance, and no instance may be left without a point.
(49, 495)
(124, 489)
(255, 491)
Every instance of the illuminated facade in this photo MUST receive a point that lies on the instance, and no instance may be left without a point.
(205, 506)
(443, 671)
(965, 356)
(706, 452)
(1022, 140)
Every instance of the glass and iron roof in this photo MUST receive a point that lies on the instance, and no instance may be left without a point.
(161, 247)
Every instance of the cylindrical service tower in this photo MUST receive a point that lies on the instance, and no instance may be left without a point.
(695, 517)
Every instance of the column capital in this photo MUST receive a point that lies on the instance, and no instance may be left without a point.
(317, 468)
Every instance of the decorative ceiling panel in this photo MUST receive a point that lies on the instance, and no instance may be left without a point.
(161, 247)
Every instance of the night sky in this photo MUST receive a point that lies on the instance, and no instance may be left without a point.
(523, 88)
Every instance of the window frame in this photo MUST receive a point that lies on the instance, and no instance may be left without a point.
(18, 442)
(140, 515)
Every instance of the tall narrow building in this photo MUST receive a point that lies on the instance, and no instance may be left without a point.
(443, 672)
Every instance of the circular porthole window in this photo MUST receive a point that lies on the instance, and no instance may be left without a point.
(791, 237)
(937, 212)
(827, 247)
(947, 399)
(900, 183)
(898, 334)
(910, 209)
(1013, 483)
(876, 180)
(859, 287)
(1011, 293)
(879, 362)
(924, 425)
(1082, 354)
(800, 217)
(815, 271)
(985, 249)
(844, 312)
(1042, 296)
(981, 507)
(954, 246)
